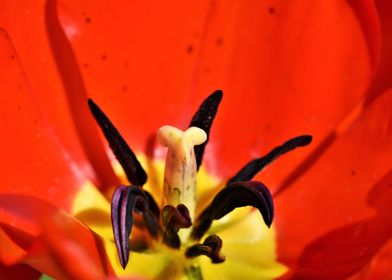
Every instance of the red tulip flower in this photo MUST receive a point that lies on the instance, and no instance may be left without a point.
(286, 69)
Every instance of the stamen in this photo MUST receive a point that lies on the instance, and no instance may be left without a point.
(180, 167)
(253, 167)
(174, 218)
(125, 156)
(125, 201)
(211, 248)
(203, 119)
(250, 193)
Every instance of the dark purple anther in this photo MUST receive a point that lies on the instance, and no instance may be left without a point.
(125, 156)
(249, 193)
(203, 119)
(211, 248)
(256, 165)
(173, 219)
(126, 200)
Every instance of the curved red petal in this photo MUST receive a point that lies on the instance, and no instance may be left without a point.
(137, 59)
(380, 266)
(33, 161)
(368, 17)
(286, 69)
(20, 218)
(26, 24)
(382, 80)
(20, 271)
(63, 241)
(53, 239)
(10, 252)
(335, 217)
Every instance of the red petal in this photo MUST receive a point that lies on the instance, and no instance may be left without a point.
(382, 80)
(368, 17)
(10, 252)
(65, 240)
(380, 266)
(286, 69)
(32, 161)
(19, 221)
(55, 240)
(269, 52)
(138, 60)
(336, 216)
(20, 271)
(26, 24)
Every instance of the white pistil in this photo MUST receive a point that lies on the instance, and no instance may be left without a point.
(180, 166)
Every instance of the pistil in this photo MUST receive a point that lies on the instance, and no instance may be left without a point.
(180, 166)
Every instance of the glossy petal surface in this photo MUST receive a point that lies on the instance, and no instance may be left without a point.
(348, 192)
(33, 160)
(269, 52)
(26, 23)
(52, 239)
(382, 79)
(263, 56)
(380, 266)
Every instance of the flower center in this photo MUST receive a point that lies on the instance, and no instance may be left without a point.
(174, 224)
(244, 237)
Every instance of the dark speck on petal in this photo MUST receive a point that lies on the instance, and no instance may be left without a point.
(189, 49)
(219, 41)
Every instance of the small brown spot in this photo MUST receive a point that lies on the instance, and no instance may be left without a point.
(104, 57)
(124, 88)
(85, 65)
(268, 126)
(189, 49)
(12, 56)
(19, 108)
(353, 172)
(219, 41)
(87, 20)
(271, 10)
